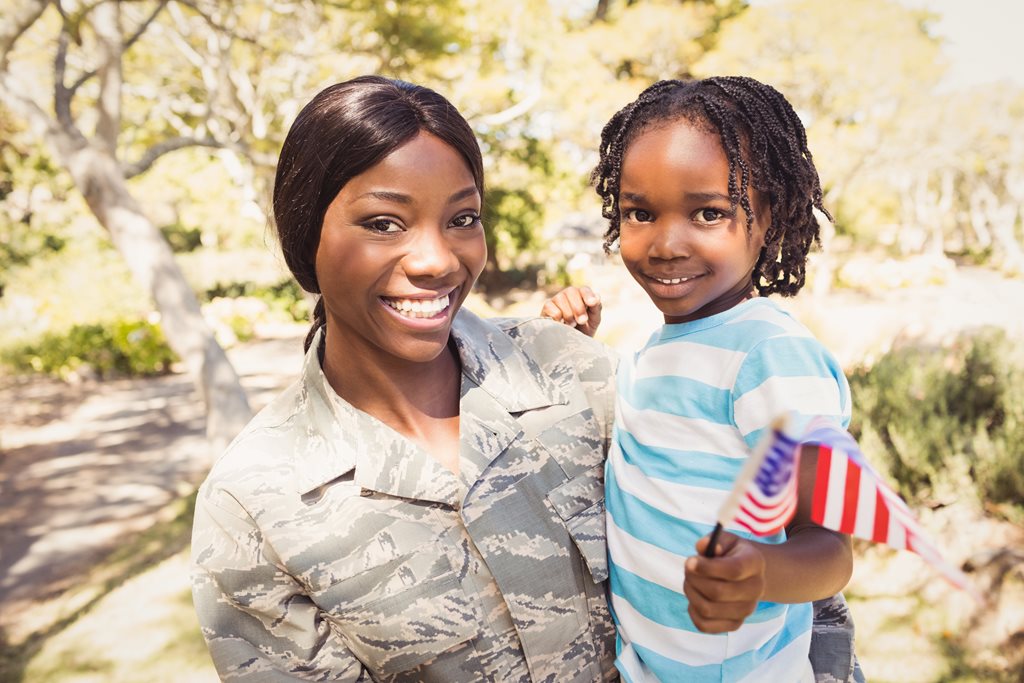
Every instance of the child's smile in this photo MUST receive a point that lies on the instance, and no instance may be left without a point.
(680, 238)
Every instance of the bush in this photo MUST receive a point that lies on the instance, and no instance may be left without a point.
(284, 297)
(933, 414)
(122, 347)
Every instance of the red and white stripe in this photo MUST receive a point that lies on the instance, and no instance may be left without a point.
(764, 516)
(851, 499)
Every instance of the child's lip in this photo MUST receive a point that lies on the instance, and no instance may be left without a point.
(673, 279)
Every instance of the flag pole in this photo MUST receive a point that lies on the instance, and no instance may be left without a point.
(710, 550)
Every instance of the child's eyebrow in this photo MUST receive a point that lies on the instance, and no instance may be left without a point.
(706, 196)
(689, 196)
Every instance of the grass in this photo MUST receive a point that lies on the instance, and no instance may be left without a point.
(127, 596)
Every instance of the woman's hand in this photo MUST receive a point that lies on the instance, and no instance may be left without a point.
(577, 307)
(724, 590)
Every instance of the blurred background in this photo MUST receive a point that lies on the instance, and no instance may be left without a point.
(145, 313)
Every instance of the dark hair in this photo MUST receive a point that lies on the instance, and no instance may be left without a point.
(766, 146)
(343, 131)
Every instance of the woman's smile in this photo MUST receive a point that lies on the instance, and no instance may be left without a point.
(420, 309)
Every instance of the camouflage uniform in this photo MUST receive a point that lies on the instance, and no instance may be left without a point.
(328, 547)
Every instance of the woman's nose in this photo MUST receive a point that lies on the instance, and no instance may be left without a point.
(430, 255)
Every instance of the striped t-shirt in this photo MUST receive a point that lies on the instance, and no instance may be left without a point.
(690, 406)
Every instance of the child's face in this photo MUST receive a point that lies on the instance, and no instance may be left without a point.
(678, 236)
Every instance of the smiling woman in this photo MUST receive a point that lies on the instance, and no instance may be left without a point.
(425, 503)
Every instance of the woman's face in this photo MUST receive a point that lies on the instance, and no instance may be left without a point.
(400, 248)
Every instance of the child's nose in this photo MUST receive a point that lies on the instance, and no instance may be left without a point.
(670, 242)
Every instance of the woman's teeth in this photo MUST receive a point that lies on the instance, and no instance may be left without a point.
(418, 308)
(673, 281)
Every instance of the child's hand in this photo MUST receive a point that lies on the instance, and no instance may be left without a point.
(577, 307)
(724, 590)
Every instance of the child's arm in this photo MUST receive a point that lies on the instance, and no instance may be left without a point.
(812, 563)
(577, 307)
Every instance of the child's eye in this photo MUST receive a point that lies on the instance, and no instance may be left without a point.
(383, 225)
(466, 220)
(638, 216)
(709, 215)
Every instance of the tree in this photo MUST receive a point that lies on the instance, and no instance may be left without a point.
(94, 158)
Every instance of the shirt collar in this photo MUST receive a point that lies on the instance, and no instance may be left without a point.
(336, 438)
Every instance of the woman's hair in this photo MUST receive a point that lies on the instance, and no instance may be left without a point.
(343, 131)
(766, 146)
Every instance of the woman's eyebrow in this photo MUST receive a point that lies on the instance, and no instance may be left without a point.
(462, 194)
(387, 196)
(631, 196)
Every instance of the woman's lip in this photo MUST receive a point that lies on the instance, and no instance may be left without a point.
(421, 296)
(423, 324)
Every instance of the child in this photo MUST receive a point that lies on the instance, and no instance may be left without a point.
(709, 189)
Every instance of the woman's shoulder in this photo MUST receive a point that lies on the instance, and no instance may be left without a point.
(552, 343)
(258, 454)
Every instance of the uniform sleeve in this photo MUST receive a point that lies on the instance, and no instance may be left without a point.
(788, 374)
(257, 621)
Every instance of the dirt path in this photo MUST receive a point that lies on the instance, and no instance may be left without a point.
(83, 466)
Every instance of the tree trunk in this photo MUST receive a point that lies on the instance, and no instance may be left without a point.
(100, 180)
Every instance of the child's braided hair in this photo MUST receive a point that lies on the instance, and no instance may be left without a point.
(766, 146)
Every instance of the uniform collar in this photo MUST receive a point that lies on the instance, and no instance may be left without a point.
(336, 438)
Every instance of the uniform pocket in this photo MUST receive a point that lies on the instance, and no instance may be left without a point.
(579, 502)
(393, 626)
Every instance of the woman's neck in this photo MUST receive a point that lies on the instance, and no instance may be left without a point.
(418, 400)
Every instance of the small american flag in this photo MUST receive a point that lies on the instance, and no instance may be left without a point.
(850, 497)
(763, 498)
(769, 501)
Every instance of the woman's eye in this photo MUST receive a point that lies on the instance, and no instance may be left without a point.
(467, 220)
(383, 225)
(638, 216)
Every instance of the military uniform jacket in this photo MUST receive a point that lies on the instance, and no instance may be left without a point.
(328, 547)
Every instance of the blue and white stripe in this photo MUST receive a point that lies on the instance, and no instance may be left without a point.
(690, 405)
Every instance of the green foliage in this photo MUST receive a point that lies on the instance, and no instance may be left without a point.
(182, 239)
(123, 347)
(510, 217)
(932, 415)
(285, 296)
(31, 220)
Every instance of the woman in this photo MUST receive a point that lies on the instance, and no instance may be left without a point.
(425, 502)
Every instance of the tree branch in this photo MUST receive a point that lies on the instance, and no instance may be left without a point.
(61, 94)
(150, 156)
(129, 41)
(17, 22)
(144, 25)
(216, 25)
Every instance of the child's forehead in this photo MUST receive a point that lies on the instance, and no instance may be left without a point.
(693, 119)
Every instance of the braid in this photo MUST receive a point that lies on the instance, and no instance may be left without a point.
(319, 320)
(766, 147)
